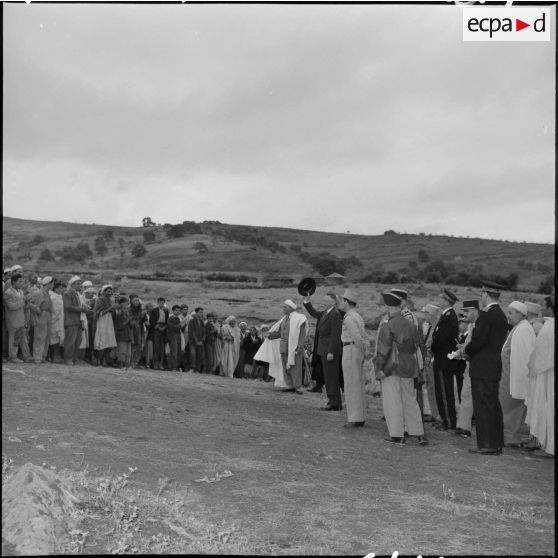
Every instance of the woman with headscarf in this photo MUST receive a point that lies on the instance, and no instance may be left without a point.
(231, 348)
(243, 332)
(105, 338)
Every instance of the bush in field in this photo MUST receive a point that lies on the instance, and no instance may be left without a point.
(149, 236)
(46, 256)
(138, 250)
(100, 245)
(546, 285)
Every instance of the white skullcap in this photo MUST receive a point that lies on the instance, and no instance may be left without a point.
(105, 287)
(16, 267)
(519, 306)
(86, 284)
(46, 280)
(533, 307)
(73, 280)
(429, 308)
(8, 270)
(290, 304)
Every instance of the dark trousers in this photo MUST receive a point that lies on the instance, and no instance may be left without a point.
(445, 398)
(318, 371)
(197, 356)
(489, 421)
(331, 377)
(174, 346)
(159, 339)
(72, 341)
(459, 382)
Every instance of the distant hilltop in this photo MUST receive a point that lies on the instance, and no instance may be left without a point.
(257, 252)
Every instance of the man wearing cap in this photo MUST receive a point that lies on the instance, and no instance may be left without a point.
(352, 338)
(514, 384)
(15, 303)
(444, 341)
(72, 321)
(41, 315)
(471, 309)
(158, 318)
(485, 369)
(292, 335)
(396, 365)
(327, 343)
(534, 315)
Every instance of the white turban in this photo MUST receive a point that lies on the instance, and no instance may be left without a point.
(86, 284)
(519, 306)
(290, 304)
(105, 287)
(16, 267)
(73, 280)
(533, 307)
(47, 280)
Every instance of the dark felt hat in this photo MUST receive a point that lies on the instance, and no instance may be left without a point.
(451, 295)
(402, 293)
(471, 304)
(391, 299)
(307, 286)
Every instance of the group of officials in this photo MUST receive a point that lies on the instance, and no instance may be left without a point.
(502, 363)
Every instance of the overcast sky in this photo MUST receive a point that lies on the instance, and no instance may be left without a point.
(337, 118)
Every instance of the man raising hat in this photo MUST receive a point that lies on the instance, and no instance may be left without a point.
(444, 341)
(327, 347)
(485, 370)
(396, 364)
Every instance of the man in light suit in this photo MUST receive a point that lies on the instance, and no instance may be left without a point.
(328, 332)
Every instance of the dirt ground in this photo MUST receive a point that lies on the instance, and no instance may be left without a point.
(300, 482)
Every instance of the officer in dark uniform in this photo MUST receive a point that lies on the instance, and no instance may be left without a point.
(485, 370)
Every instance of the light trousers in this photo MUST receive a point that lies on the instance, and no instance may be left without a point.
(465, 412)
(400, 407)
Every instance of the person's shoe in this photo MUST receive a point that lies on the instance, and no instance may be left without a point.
(315, 389)
(288, 390)
(429, 418)
(298, 391)
(442, 426)
(395, 440)
(465, 433)
(31, 360)
(353, 424)
(516, 445)
(422, 440)
(486, 451)
(458, 430)
(330, 408)
(16, 360)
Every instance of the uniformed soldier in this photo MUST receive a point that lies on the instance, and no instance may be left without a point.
(485, 370)
(352, 337)
(396, 366)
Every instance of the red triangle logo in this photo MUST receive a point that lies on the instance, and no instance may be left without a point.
(519, 25)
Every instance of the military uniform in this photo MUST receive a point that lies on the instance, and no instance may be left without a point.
(396, 358)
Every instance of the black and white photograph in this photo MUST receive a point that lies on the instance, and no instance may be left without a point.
(278, 278)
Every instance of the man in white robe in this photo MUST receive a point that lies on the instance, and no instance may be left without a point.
(514, 384)
(540, 404)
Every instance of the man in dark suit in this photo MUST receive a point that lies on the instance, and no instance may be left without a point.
(485, 370)
(328, 346)
(444, 341)
(158, 323)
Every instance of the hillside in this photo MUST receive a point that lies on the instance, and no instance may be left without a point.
(193, 249)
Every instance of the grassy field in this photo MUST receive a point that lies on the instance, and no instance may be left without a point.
(225, 251)
(165, 462)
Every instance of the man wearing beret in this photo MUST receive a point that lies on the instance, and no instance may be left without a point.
(328, 349)
(444, 341)
(514, 384)
(40, 304)
(485, 370)
(396, 365)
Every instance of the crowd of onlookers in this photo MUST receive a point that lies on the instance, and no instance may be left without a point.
(468, 362)
(73, 322)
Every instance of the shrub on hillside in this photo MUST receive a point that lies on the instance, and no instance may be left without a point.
(423, 256)
(100, 245)
(149, 236)
(325, 263)
(546, 286)
(37, 239)
(46, 256)
(390, 277)
(437, 266)
(138, 250)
